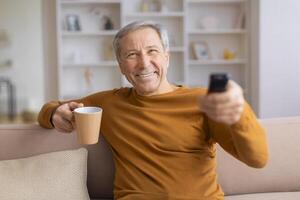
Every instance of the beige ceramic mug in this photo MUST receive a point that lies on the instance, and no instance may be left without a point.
(88, 120)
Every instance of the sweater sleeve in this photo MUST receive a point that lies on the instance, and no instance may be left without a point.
(45, 114)
(246, 140)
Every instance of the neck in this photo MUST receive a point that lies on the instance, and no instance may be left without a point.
(165, 88)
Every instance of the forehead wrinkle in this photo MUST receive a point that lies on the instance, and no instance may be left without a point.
(137, 41)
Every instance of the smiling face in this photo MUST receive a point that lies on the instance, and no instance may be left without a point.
(144, 62)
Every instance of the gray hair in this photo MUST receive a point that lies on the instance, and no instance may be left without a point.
(162, 32)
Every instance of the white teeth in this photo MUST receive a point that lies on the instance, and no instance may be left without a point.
(145, 75)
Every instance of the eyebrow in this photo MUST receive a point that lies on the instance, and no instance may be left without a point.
(135, 50)
(152, 46)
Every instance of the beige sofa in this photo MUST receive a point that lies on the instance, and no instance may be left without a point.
(280, 179)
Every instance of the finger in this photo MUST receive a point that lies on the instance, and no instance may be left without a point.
(218, 109)
(74, 105)
(218, 98)
(237, 110)
(228, 115)
(225, 119)
(63, 124)
(67, 124)
(224, 108)
(232, 112)
(223, 98)
(67, 115)
(65, 112)
(65, 127)
(208, 106)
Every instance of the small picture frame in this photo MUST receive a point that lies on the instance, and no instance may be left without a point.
(240, 21)
(201, 51)
(73, 23)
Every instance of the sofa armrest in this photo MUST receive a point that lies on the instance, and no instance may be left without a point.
(282, 172)
(19, 141)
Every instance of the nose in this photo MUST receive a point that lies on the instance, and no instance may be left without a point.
(145, 60)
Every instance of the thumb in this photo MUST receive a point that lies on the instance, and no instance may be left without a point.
(74, 105)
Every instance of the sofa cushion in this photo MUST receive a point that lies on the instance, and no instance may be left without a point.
(56, 175)
(25, 140)
(265, 196)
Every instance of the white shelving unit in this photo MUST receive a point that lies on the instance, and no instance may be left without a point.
(86, 63)
(218, 29)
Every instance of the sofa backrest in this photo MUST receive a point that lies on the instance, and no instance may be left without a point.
(19, 141)
(281, 174)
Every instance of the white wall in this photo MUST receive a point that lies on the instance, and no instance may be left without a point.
(279, 58)
(22, 20)
(254, 55)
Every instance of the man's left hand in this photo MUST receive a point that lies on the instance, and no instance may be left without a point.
(225, 107)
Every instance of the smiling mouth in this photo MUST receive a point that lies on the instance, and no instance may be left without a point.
(145, 75)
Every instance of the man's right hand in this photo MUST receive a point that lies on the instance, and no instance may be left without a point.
(63, 117)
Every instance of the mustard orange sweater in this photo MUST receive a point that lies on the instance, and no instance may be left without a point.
(164, 147)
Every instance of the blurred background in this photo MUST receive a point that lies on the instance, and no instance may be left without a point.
(61, 49)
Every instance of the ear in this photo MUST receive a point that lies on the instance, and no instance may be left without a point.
(121, 67)
(122, 70)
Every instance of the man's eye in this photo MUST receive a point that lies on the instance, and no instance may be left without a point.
(131, 55)
(152, 51)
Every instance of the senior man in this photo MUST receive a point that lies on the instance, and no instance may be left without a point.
(163, 136)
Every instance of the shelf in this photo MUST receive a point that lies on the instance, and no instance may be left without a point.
(217, 31)
(216, 1)
(156, 14)
(99, 64)
(98, 33)
(72, 2)
(217, 62)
